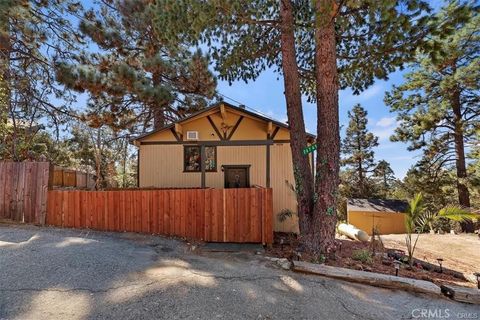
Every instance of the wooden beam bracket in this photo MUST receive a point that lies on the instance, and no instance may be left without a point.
(219, 134)
(235, 127)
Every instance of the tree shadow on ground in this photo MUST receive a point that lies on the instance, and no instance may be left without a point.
(80, 274)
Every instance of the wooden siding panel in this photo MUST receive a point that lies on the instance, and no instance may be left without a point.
(281, 170)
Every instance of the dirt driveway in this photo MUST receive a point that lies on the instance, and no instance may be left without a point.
(460, 252)
(51, 273)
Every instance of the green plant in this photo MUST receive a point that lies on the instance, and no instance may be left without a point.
(362, 255)
(321, 258)
(284, 214)
(417, 218)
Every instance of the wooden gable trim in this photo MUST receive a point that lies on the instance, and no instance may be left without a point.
(274, 133)
(223, 112)
(175, 134)
(219, 134)
(235, 127)
(218, 143)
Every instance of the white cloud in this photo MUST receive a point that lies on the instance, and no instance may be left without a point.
(383, 133)
(346, 96)
(385, 122)
(371, 92)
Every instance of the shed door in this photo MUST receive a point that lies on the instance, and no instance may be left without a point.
(237, 176)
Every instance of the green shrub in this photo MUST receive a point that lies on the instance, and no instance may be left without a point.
(362, 255)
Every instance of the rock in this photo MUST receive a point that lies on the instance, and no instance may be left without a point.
(462, 294)
(284, 263)
(358, 267)
(368, 269)
(386, 262)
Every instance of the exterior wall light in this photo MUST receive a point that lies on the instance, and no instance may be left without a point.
(440, 260)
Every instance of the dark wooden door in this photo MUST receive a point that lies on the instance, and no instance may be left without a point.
(237, 176)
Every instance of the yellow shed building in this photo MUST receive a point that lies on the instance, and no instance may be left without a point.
(384, 214)
(240, 149)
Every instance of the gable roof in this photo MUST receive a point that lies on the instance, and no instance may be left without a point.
(215, 106)
(376, 205)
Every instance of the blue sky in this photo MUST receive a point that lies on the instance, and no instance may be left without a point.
(266, 95)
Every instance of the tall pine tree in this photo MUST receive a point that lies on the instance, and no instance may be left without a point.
(385, 178)
(357, 146)
(33, 34)
(133, 77)
(437, 105)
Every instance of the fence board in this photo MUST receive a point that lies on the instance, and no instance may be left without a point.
(23, 191)
(217, 215)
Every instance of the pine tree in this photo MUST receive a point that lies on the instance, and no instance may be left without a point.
(358, 146)
(385, 177)
(134, 77)
(437, 106)
(32, 35)
(365, 39)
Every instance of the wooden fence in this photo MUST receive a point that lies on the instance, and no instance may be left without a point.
(67, 178)
(23, 191)
(218, 215)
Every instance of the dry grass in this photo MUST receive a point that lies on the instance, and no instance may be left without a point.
(460, 252)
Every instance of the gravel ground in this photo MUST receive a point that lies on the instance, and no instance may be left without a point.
(49, 273)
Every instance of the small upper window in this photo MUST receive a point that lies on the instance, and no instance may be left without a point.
(192, 159)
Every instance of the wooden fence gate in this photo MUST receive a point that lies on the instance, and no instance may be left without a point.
(23, 191)
(217, 215)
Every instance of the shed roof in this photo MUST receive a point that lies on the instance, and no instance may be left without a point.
(377, 205)
(215, 106)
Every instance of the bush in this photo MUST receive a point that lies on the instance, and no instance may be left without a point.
(362, 255)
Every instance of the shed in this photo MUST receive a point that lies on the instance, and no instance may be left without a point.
(222, 146)
(387, 215)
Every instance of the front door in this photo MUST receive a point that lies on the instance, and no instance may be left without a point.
(237, 176)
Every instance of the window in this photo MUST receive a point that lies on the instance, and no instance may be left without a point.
(192, 159)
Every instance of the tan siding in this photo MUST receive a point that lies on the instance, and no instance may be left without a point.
(283, 196)
(166, 135)
(204, 128)
(282, 134)
(386, 222)
(250, 129)
(162, 166)
(255, 156)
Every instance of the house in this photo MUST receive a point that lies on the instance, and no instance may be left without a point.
(384, 214)
(240, 148)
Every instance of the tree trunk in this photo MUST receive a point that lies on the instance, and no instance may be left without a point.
(158, 109)
(298, 136)
(4, 53)
(5, 48)
(361, 184)
(462, 189)
(328, 135)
